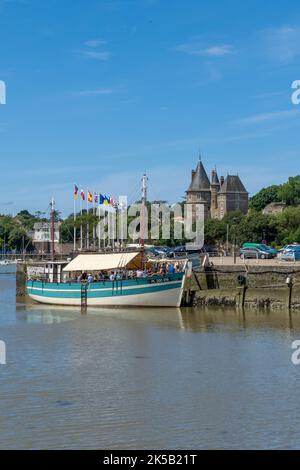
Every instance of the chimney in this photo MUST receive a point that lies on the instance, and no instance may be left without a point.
(221, 180)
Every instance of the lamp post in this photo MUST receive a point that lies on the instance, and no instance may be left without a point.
(234, 245)
(234, 227)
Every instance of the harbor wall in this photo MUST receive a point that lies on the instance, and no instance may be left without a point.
(266, 287)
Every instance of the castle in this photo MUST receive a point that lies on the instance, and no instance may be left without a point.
(217, 196)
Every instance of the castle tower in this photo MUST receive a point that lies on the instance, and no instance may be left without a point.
(199, 191)
(214, 188)
(232, 196)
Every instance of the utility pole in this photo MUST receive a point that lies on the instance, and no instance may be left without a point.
(227, 238)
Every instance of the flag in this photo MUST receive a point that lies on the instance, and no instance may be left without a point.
(90, 196)
(75, 192)
(101, 199)
(95, 198)
(115, 204)
(82, 194)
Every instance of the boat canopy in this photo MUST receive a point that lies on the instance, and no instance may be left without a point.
(99, 262)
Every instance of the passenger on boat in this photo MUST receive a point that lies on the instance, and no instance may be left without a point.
(162, 270)
(171, 268)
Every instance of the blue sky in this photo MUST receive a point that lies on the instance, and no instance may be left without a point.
(100, 91)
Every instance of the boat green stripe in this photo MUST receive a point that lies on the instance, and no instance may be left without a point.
(108, 284)
(76, 294)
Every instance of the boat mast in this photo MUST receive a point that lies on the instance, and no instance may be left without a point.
(143, 205)
(52, 228)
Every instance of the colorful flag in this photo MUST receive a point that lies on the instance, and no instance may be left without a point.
(95, 198)
(75, 192)
(106, 200)
(90, 196)
(82, 194)
(101, 199)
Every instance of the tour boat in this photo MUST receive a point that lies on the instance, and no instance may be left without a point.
(59, 283)
(145, 291)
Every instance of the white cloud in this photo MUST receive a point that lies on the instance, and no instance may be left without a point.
(281, 44)
(270, 94)
(219, 50)
(95, 55)
(95, 92)
(265, 117)
(94, 43)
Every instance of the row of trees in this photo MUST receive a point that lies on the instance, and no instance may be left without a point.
(289, 193)
(14, 231)
(276, 229)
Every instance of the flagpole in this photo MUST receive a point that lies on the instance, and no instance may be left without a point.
(87, 222)
(94, 225)
(81, 227)
(116, 226)
(113, 229)
(99, 226)
(74, 246)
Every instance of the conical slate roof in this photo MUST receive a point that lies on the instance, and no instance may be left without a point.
(200, 181)
(215, 179)
(233, 183)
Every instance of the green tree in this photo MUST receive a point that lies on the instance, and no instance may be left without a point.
(290, 192)
(264, 197)
(214, 231)
(26, 219)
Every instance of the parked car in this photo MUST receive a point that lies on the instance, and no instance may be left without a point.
(261, 246)
(255, 252)
(181, 250)
(291, 253)
(157, 251)
(286, 248)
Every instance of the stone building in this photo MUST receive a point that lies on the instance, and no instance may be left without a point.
(218, 196)
(274, 208)
(41, 237)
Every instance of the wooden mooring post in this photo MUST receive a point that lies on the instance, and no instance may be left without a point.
(290, 282)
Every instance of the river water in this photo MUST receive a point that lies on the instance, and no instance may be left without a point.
(146, 379)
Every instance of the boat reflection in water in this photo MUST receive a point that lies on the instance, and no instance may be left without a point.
(189, 319)
(37, 313)
(216, 319)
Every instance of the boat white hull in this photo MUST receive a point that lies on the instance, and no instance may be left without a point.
(169, 298)
(158, 292)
